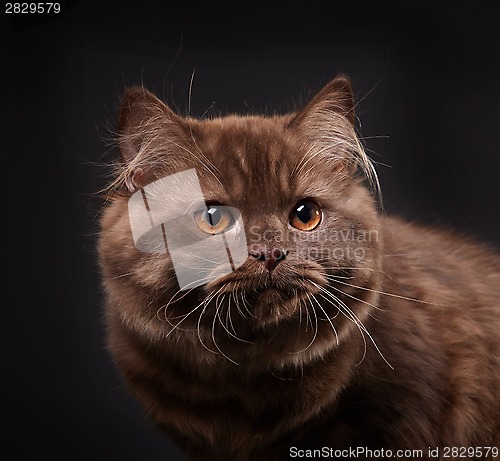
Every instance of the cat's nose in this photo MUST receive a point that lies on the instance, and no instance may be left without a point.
(270, 257)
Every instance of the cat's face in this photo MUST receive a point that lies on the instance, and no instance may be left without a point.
(313, 247)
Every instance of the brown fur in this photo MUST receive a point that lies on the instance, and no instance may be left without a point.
(424, 373)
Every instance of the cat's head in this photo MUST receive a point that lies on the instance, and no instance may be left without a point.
(294, 186)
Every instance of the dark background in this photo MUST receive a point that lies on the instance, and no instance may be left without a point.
(426, 74)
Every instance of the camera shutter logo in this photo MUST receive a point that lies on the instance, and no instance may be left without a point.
(161, 218)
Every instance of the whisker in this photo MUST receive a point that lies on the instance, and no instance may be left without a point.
(237, 303)
(233, 335)
(229, 320)
(217, 316)
(172, 300)
(205, 305)
(300, 313)
(328, 318)
(183, 317)
(246, 305)
(353, 317)
(349, 315)
(356, 298)
(308, 318)
(332, 277)
(126, 274)
(315, 330)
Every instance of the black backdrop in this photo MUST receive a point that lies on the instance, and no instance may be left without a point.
(426, 74)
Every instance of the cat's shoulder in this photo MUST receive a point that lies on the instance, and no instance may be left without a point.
(436, 242)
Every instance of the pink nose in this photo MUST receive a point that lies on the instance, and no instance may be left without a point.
(270, 257)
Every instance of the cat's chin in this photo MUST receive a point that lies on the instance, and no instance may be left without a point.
(273, 305)
(268, 305)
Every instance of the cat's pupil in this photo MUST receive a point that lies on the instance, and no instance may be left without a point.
(304, 213)
(213, 216)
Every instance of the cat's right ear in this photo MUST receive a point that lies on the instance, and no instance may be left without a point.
(142, 117)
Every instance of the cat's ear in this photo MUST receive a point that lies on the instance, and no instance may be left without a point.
(328, 122)
(333, 100)
(142, 118)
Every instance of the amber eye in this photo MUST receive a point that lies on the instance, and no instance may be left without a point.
(306, 215)
(214, 220)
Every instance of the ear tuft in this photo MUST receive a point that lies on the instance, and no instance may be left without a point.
(138, 107)
(145, 125)
(335, 97)
(327, 125)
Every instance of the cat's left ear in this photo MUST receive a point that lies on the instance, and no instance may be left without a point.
(328, 122)
(334, 100)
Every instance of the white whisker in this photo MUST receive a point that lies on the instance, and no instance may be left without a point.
(217, 316)
(198, 328)
(315, 330)
(328, 318)
(228, 315)
(334, 278)
(344, 309)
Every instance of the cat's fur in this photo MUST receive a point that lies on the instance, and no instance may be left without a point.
(397, 346)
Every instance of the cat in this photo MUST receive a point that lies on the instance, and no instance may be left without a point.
(340, 329)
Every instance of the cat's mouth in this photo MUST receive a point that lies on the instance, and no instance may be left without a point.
(269, 298)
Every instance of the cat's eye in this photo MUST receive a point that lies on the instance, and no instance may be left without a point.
(214, 220)
(305, 215)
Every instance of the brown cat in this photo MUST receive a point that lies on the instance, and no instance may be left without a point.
(340, 331)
